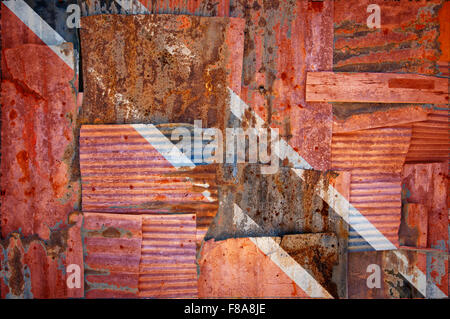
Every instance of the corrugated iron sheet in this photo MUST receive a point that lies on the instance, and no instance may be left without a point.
(112, 254)
(375, 158)
(168, 266)
(408, 40)
(430, 140)
(124, 172)
(182, 68)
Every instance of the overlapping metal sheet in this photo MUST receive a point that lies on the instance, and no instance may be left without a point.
(168, 266)
(241, 267)
(375, 158)
(430, 140)
(112, 254)
(125, 169)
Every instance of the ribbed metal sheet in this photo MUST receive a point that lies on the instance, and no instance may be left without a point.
(168, 267)
(112, 254)
(124, 172)
(375, 158)
(408, 40)
(430, 140)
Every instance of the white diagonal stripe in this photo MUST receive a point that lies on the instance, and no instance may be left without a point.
(39, 27)
(331, 196)
(132, 6)
(281, 258)
(164, 146)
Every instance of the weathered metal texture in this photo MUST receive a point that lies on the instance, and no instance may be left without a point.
(412, 39)
(407, 41)
(369, 87)
(32, 267)
(112, 254)
(430, 140)
(207, 8)
(123, 171)
(182, 68)
(427, 185)
(237, 267)
(375, 158)
(284, 40)
(350, 117)
(281, 204)
(403, 277)
(40, 182)
(168, 266)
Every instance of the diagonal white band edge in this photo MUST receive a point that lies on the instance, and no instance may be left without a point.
(417, 278)
(282, 259)
(132, 6)
(39, 27)
(172, 154)
(332, 197)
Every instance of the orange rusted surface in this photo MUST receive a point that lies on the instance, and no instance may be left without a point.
(237, 268)
(183, 66)
(283, 40)
(122, 172)
(430, 140)
(40, 184)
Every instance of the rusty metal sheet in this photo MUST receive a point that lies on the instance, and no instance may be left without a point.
(284, 40)
(183, 66)
(430, 140)
(280, 204)
(32, 267)
(112, 254)
(125, 169)
(168, 266)
(387, 275)
(195, 7)
(40, 182)
(407, 40)
(427, 185)
(240, 268)
(375, 158)
(350, 117)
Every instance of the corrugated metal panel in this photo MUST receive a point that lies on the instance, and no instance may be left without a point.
(375, 158)
(408, 40)
(238, 267)
(112, 255)
(124, 171)
(430, 140)
(283, 40)
(183, 66)
(40, 184)
(168, 258)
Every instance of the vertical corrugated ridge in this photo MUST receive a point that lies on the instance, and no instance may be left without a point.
(167, 267)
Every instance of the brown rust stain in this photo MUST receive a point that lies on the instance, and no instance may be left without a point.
(399, 83)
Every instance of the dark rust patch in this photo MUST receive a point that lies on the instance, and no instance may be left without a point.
(411, 84)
